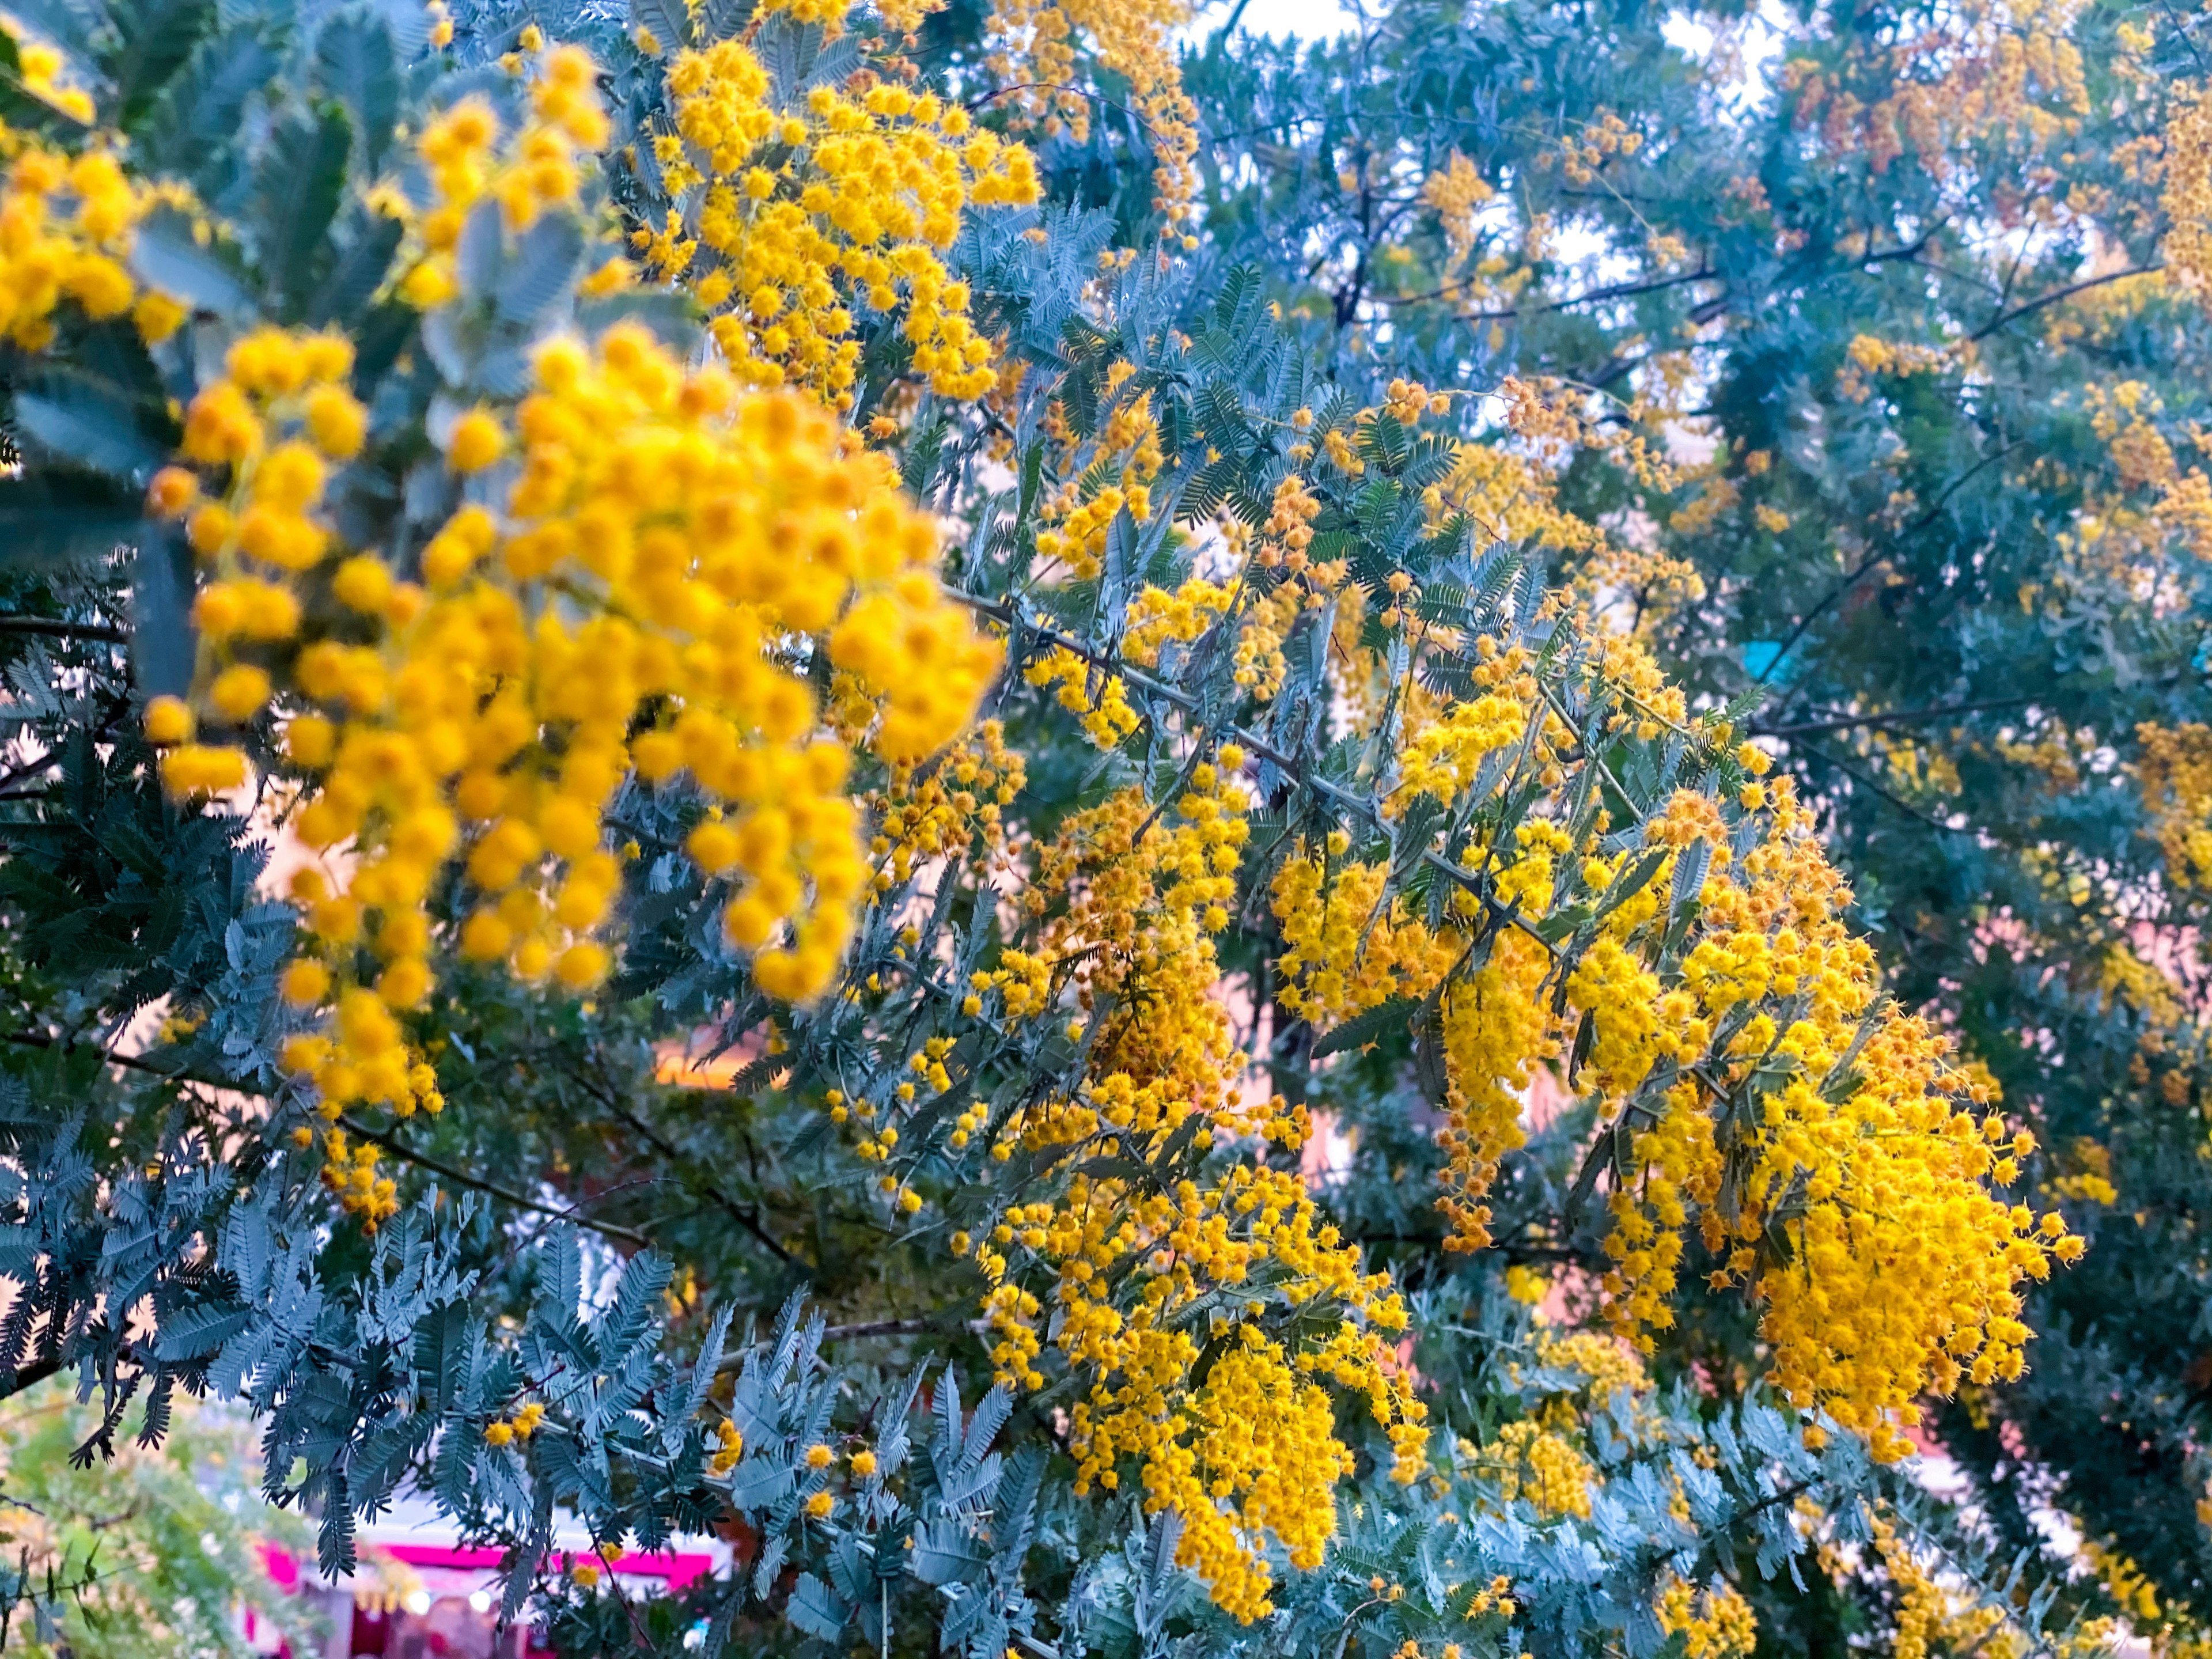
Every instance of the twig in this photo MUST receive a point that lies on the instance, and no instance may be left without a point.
(490, 1188)
(1290, 767)
(1902, 717)
(1853, 577)
(1614, 291)
(67, 630)
(2057, 294)
(399, 1149)
(745, 1217)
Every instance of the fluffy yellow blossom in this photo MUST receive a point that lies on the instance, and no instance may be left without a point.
(69, 221)
(1715, 1622)
(1033, 50)
(843, 199)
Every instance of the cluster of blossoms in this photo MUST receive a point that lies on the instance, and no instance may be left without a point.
(40, 72)
(65, 224)
(2187, 198)
(537, 170)
(1531, 1463)
(1131, 1269)
(928, 812)
(841, 199)
(1034, 44)
(1988, 71)
(505, 1431)
(1715, 1622)
(704, 541)
(1123, 462)
(2174, 770)
(1726, 1070)
(1158, 619)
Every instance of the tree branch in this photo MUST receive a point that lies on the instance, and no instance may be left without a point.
(489, 1188)
(353, 1126)
(1901, 717)
(67, 630)
(2057, 294)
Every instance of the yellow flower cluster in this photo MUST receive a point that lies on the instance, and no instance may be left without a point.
(843, 198)
(1033, 51)
(1075, 524)
(2174, 768)
(1158, 616)
(1608, 1364)
(1715, 1622)
(925, 812)
(1582, 156)
(1494, 1035)
(2187, 198)
(1098, 697)
(1346, 950)
(40, 68)
(1252, 1451)
(539, 170)
(1445, 755)
(1904, 1268)
(694, 531)
(1529, 1462)
(1457, 191)
(1987, 70)
(65, 224)
(505, 1431)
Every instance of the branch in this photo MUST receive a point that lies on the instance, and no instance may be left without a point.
(30, 1376)
(66, 631)
(744, 1216)
(1005, 612)
(399, 1149)
(490, 1188)
(1852, 578)
(1616, 291)
(1901, 717)
(2057, 294)
(1894, 799)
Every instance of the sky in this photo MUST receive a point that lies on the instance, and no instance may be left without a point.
(1309, 20)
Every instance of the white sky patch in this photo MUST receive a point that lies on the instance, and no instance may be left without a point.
(1757, 49)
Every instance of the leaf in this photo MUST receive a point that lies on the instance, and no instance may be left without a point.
(666, 19)
(356, 63)
(544, 264)
(360, 271)
(561, 1273)
(192, 1332)
(1631, 882)
(1429, 1067)
(481, 253)
(77, 422)
(816, 1608)
(721, 19)
(160, 612)
(991, 1414)
(165, 255)
(757, 1484)
(157, 37)
(296, 197)
(944, 1554)
(441, 1345)
(202, 108)
(1378, 1022)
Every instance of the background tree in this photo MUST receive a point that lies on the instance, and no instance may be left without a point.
(150, 1550)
